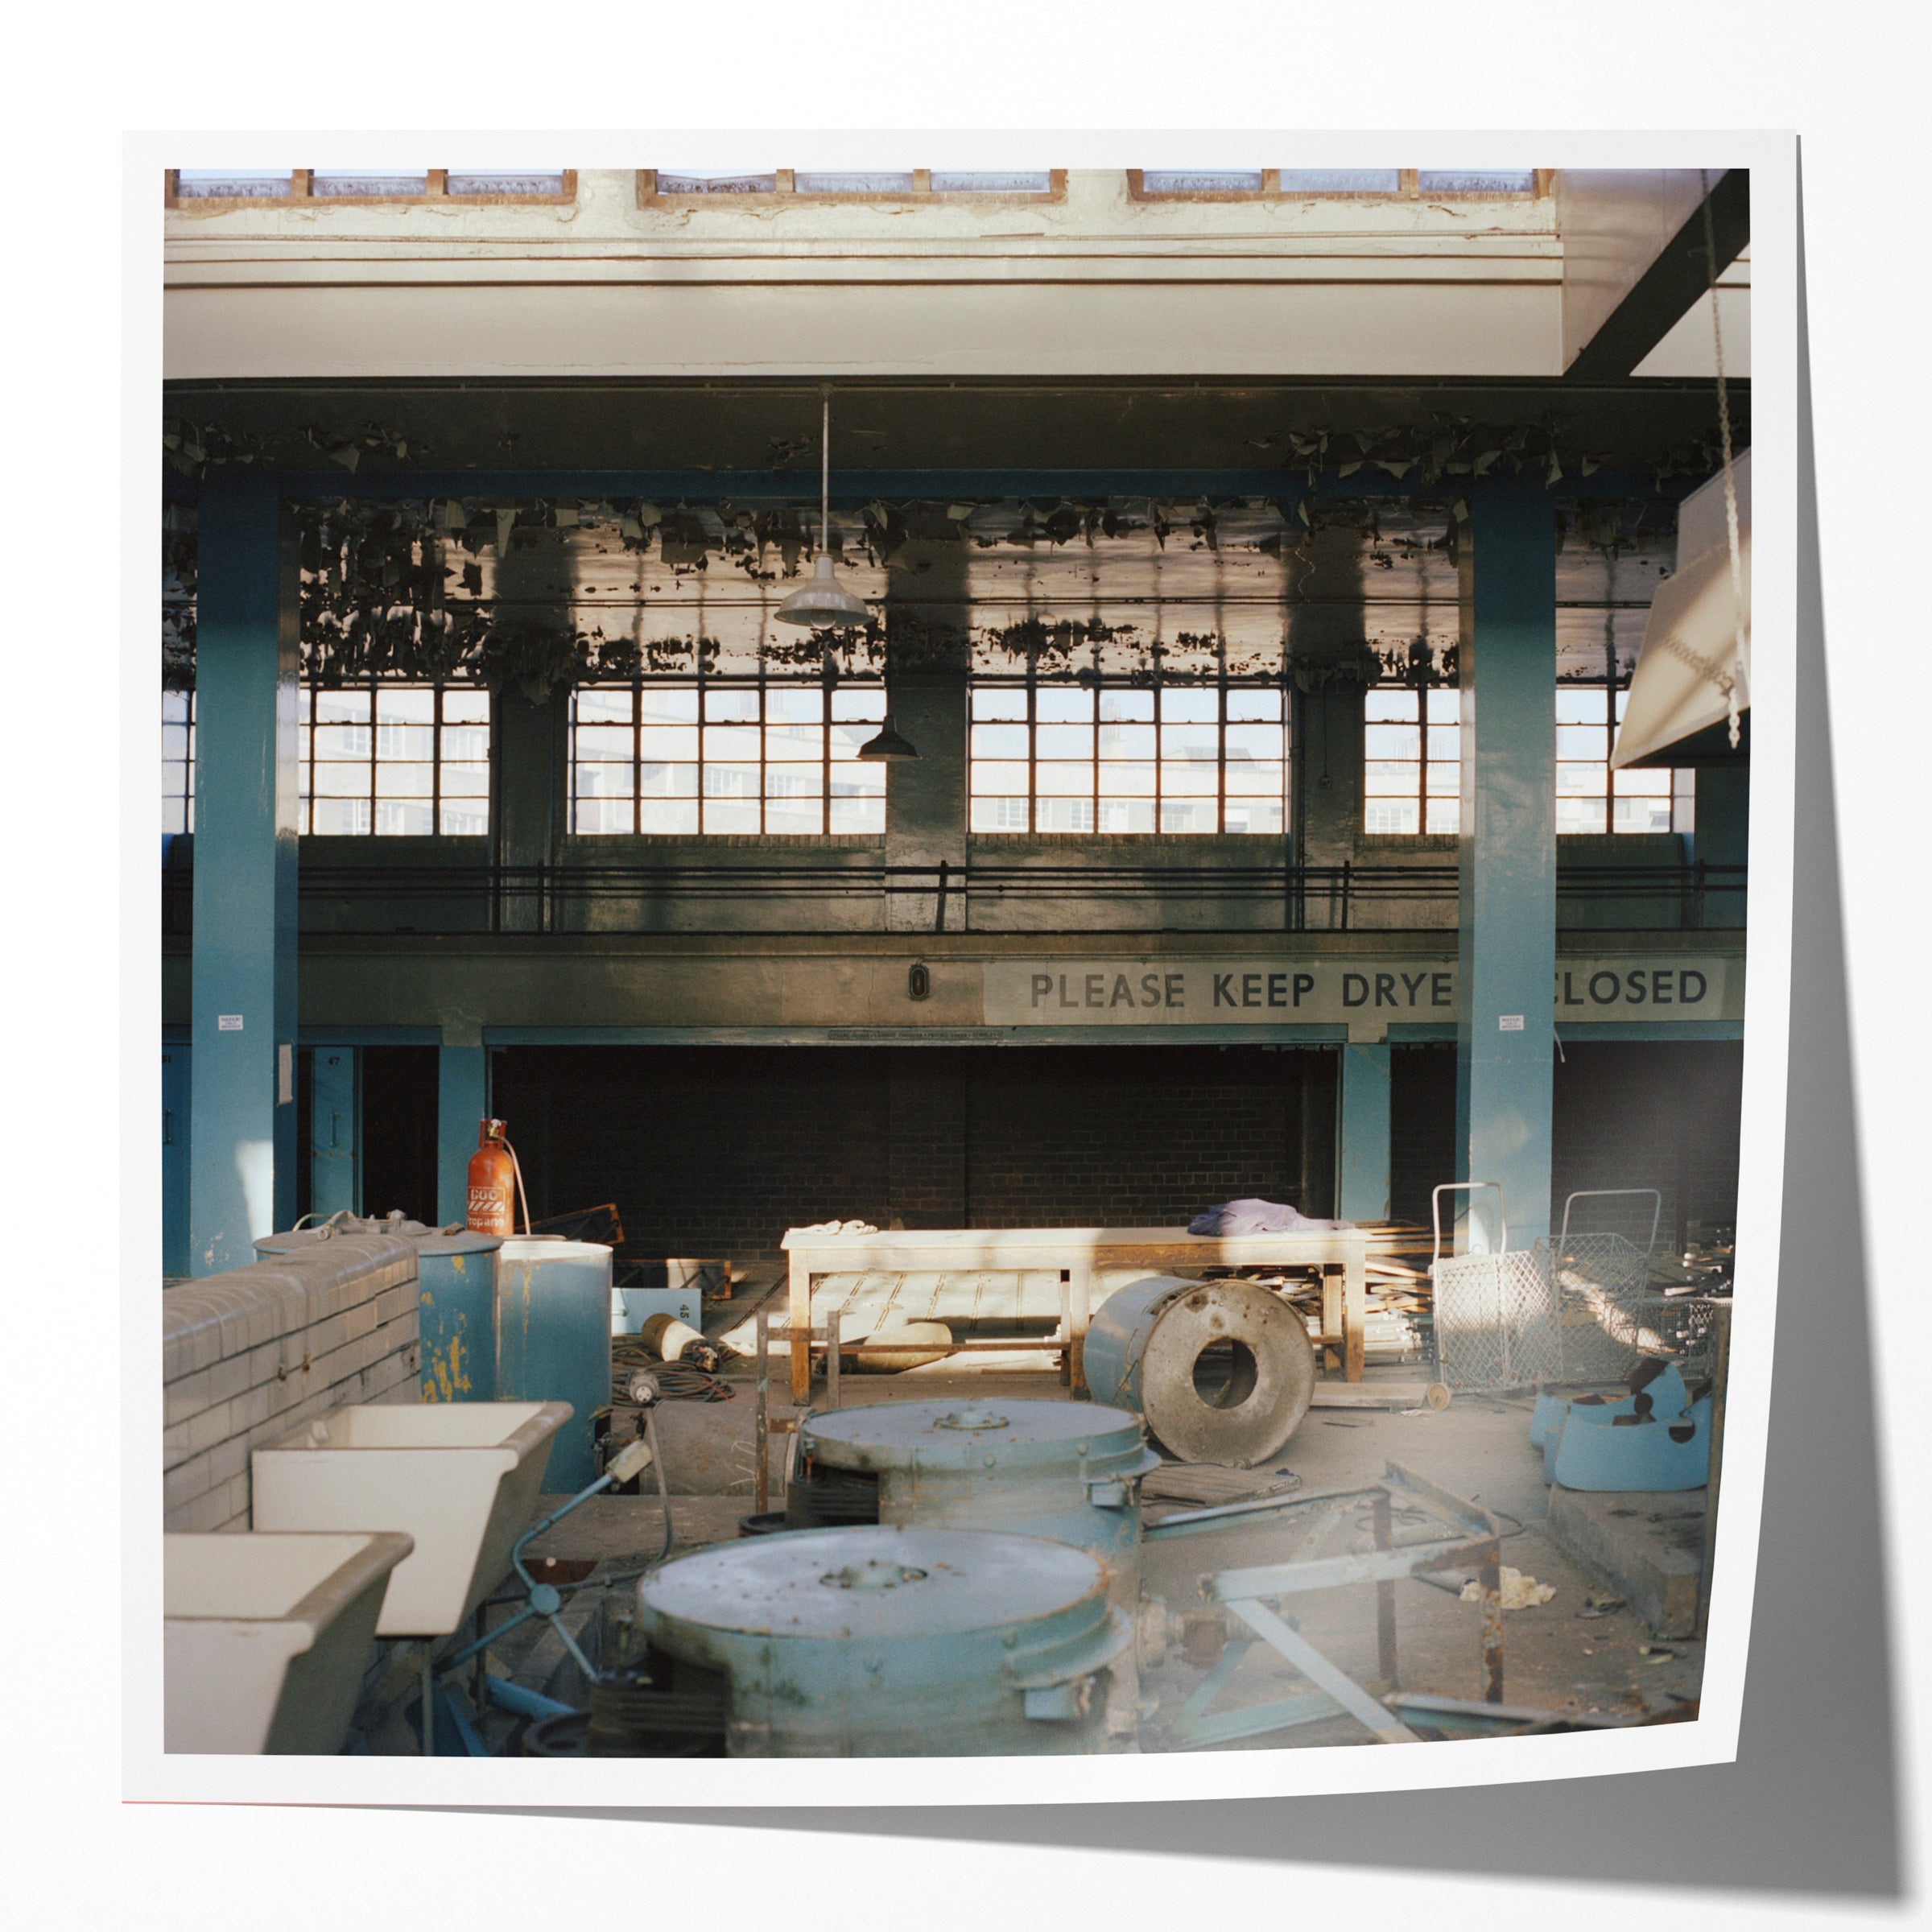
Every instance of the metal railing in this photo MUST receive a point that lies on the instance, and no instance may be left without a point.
(619, 899)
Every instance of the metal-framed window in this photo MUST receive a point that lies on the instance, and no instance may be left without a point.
(1412, 768)
(1270, 183)
(394, 760)
(1589, 796)
(1052, 758)
(705, 756)
(482, 186)
(177, 761)
(660, 185)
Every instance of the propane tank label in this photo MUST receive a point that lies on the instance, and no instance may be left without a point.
(487, 1200)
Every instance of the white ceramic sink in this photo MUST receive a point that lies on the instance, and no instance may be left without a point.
(461, 1478)
(266, 1636)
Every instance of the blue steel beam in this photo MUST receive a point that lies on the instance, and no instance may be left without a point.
(242, 1135)
(1365, 1177)
(1507, 851)
(860, 486)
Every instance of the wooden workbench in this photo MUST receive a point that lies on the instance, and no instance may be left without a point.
(1080, 1252)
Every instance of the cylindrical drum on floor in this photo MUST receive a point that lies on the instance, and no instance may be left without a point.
(876, 1642)
(456, 1308)
(553, 1342)
(1070, 1471)
(1220, 1371)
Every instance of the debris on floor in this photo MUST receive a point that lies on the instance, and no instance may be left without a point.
(1519, 1592)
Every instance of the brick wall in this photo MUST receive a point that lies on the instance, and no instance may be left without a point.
(251, 1354)
(1421, 1127)
(710, 1151)
(1642, 1113)
(1650, 1114)
(1134, 1136)
(717, 1150)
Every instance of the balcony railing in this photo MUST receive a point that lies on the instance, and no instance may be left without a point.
(1005, 897)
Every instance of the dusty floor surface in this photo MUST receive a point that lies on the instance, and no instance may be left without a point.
(1562, 1656)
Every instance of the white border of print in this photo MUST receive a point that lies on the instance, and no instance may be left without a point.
(150, 1774)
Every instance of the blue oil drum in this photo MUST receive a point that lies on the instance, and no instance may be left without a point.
(456, 1309)
(553, 1342)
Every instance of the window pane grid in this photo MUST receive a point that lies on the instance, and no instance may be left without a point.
(394, 760)
(177, 761)
(706, 759)
(1411, 761)
(1590, 797)
(1412, 771)
(1054, 758)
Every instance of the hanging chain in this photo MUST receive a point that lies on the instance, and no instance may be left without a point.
(1724, 422)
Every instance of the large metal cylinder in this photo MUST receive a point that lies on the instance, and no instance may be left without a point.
(1220, 1371)
(553, 1342)
(877, 1642)
(1070, 1471)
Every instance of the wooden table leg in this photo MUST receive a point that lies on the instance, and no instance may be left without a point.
(798, 1332)
(1355, 1315)
(1331, 1316)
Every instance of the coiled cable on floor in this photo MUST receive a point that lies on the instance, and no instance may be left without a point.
(680, 1381)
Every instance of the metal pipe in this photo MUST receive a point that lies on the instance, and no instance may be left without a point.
(761, 1423)
(523, 1703)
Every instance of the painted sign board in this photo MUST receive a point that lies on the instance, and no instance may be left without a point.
(1168, 992)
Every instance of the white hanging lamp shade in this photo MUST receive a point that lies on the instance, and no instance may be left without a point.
(824, 603)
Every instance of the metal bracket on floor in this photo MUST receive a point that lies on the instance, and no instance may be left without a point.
(1251, 1594)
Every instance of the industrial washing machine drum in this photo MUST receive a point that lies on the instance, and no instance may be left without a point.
(876, 1642)
(1070, 1471)
(1221, 1371)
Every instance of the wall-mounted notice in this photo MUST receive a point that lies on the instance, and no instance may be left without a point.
(1330, 991)
(227, 1022)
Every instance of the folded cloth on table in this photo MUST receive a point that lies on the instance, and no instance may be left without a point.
(1260, 1217)
(837, 1228)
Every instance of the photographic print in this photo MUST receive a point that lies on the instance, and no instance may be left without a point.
(976, 965)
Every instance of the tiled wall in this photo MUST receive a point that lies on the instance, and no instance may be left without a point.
(249, 1355)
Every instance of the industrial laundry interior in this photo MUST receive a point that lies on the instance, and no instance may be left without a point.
(919, 1002)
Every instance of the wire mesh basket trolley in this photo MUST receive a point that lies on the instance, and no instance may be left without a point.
(1496, 1312)
(1610, 1315)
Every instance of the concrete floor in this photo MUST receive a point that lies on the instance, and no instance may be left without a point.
(1562, 1656)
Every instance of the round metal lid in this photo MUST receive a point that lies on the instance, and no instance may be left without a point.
(873, 1582)
(967, 1430)
(427, 1240)
(465, 1243)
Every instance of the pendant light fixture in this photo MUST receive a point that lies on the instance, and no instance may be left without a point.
(887, 747)
(824, 603)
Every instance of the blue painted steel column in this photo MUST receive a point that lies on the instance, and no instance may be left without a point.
(1364, 1134)
(1507, 943)
(176, 1091)
(462, 1099)
(241, 1132)
(335, 1133)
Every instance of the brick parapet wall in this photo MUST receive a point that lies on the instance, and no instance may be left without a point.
(249, 1354)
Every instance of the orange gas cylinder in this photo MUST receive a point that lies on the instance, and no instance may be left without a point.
(492, 1200)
